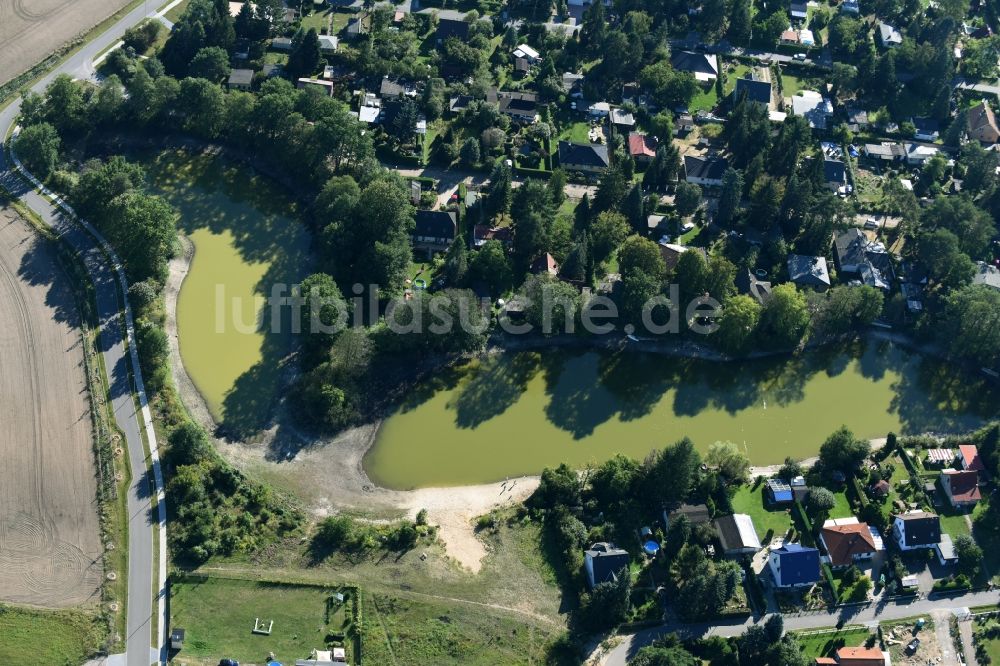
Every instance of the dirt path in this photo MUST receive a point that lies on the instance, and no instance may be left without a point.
(50, 548)
(32, 29)
(328, 474)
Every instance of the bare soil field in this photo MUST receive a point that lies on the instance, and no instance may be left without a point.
(32, 29)
(50, 548)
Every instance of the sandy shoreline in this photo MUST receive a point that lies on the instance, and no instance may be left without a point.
(328, 474)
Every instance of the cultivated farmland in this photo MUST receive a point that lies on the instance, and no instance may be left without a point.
(31, 29)
(50, 550)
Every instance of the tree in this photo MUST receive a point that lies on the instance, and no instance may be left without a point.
(65, 107)
(204, 106)
(553, 305)
(558, 486)
(210, 63)
(820, 501)
(469, 153)
(37, 146)
(666, 651)
(790, 469)
(490, 266)
(687, 199)
(970, 555)
(732, 463)
(100, 182)
(960, 215)
(607, 605)
(188, 445)
(738, 324)
(843, 452)
(499, 195)
(970, 323)
(671, 473)
(324, 314)
(141, 228)
(938, 252)
(608, 232)
(662, 127)
(140, 37)
(729, 197)
(641, 255)
(847, 308)
(557, 186)
(784, 317)
(305, 56)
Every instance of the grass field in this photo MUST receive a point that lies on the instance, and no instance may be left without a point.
(751, 501)
(218, 615)
(826, 643)
(992, 645)
(405, 631)
(57, 637)
(576, 132)
(174, 14)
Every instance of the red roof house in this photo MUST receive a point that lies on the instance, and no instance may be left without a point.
(961, 487)
(970, 458)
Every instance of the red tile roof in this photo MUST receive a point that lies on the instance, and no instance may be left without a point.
(964, 485)
(860, 656)
(640, 145)
(844, 542)
(970, 455)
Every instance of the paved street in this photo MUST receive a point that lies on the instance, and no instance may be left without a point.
(111, 343)
(863, 614)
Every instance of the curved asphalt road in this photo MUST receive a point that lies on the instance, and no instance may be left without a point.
(115, 329)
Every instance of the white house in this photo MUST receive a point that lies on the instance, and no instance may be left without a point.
(528, 53)
(915, 530)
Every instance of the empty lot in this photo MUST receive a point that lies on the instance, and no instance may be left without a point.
(32, 29)
(50, 549)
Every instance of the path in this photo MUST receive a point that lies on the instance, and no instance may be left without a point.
(968, 645)
(942, 632)
(859, 614)
(122, 366)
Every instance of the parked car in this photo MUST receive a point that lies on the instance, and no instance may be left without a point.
(871, 224)
(912, 646)
(686, 227)
(228, 662)
(800, 56)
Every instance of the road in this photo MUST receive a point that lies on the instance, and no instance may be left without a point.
(115, 329)
(864, 614)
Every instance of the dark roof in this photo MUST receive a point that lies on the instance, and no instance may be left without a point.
(607, 561)
(798, 565)
(834, 171)
(435, 223)
(749, 284)
(570, 80)
(697, 514)
(779, 490)
(177, 634)
(460, 103)
(922, 528)
(452, 28)
(242, 77)
(689, 61)
(850, 248)
(737, 532)
(584, 154)
(926, 125)
(518, 102)
(756, 91)
(707, 168)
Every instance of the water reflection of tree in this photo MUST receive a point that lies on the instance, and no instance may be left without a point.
(934, 396)
(492, 388)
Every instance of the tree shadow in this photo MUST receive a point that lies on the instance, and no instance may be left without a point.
(492, 388)
(935, 396)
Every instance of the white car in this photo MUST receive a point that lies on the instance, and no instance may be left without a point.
(799, 56)
(686, 227)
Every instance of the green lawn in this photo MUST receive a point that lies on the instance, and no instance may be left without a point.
(576, 132)
(48, 637)
(825, 644)
(953, 523)
(705, 100)
(318, 20)
(751, 502)
(406, 631)
(175, 14)
(791, 84)
(842, 509)
(988, 635)
(218, 615)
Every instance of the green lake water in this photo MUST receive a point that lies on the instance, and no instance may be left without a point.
(515, 414)
(246, 237)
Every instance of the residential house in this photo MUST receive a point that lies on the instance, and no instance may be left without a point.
(599, 110)
(448, 28)
(545, 264)
(571, 84)
(835, 173)
(671, 253)
(281, 43)
(794, 565)
(807, 271)
(862, 656)
(683, 125)
(857, 119)
(737, 534)
(850, 7)
(641, 148)
(927, 129)
(779, 492)
(755, 91)
(482, 233)
(696, 514)
(622, 120)
(888, 36)
(969, 458)
(319, 84)
(240, 79)
(848, 541)
(812, 106)
(882, 488)
(789, 37)
(982, 123)
(885, 151)
(987, 274)
(750, 285)
(433, 229)
(961, 487)
(914, 530)
(707, 170)
(604, 562)
(460, 103)
(358, 27)
(917, 154)
(328, 43)
(391, 89)
(583, 157)
(657, 224)
(855, 255)
(799, 11)
(703, 66)
(270, 70)
(520, 106)
(527, 53)
(806, 37)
